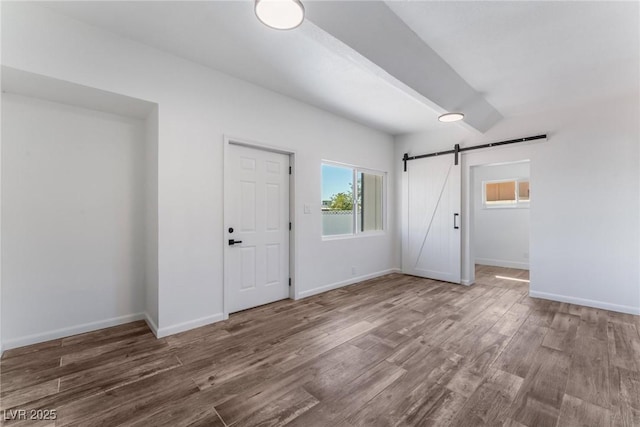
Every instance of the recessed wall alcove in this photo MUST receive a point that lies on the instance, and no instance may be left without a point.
(79, 209)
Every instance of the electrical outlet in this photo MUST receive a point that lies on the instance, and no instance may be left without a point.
(354, 270)
(307, 209)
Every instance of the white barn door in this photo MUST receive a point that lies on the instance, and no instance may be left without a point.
(431, 231)
(257, 227)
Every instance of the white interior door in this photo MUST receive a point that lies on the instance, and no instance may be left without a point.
(257, 227)
(432, 219)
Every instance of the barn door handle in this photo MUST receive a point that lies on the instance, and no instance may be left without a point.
(233, 242)
(455, 221)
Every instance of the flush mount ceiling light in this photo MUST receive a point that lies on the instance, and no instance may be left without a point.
(280, 14)
(451, 117)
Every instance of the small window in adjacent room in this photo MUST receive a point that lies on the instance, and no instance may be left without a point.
(523, 191)
(508, 193)
(352, 200)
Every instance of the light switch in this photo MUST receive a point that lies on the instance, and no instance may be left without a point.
(307, 209)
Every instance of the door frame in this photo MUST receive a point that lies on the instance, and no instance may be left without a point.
(293, 247)
(489, 156)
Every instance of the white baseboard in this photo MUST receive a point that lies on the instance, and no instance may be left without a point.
(586, 302)
(343, 283)
(191, 324)
(69, 331)
(502, 263)
(466, 282)
(151, 324)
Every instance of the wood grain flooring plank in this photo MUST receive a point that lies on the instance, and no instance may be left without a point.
(511, 423)
(342, 363)
(469, 377)
(437, 409)
(512, 320)
(128, 402)
(624, 346)
(572, 309)
(616, 317)
(416, 395)
(518, 357)
(593, 323)
(589, 379)
(490, 403)
(281, 411)
(22, 396)
(562, 332)
(193, 409)
(625, 397)
(352, 396)
(31, 350)
(102, 363)
(577, 412)
(101, 378)
(540, 397)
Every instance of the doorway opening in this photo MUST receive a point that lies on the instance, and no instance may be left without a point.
(500, 202)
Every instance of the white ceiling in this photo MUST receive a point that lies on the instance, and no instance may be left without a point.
(531, 56)
(227, 36)
(28, 84)
(522, 56)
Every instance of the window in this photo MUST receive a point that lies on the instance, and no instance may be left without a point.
(508, 193)
(346, 211)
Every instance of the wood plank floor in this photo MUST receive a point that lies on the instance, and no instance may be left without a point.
(397, 350)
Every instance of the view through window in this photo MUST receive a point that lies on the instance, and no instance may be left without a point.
(348, 208)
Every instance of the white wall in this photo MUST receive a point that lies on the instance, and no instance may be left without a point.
(151, 219)
(501, 234)
(197, 106)
(585, 228)
(73, 219)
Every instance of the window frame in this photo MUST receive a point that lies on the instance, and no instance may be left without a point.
(355, 170)
(518, 204)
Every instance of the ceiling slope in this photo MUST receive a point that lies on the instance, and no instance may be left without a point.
(379, 38)
(226, 36)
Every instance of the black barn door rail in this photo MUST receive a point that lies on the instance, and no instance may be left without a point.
(457, 150)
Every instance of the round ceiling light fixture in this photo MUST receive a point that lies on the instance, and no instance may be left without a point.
(451, 117)
(280, 14)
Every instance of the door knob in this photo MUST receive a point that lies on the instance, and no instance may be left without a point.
(233, 242)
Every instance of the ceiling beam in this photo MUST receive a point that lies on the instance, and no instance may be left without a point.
(372, 35)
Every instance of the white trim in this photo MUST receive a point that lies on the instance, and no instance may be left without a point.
(466, 282)
(586, 302)
(72, 330)
(191, 324)
(493, 156)
(151, 324)
(502, 263)
(372, 233)
(343, 283)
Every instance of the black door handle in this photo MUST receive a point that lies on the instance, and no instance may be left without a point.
(233, 242)
(455, 221)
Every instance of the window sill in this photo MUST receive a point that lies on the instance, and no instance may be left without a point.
(514, 206)
(354, 236)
